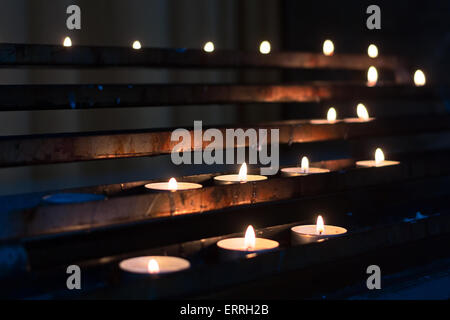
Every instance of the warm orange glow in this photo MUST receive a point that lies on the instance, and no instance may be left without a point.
(372, 76)
(173, 184)
(379, 156)
(419, 78)
(361, 111)
(372, 51)
(265, 47)
(250, 239)
(328, 48)
(243, 172)
(209, 47)
(153, 266)
(137, 45)
(67, 42)
(320, 227)
(331, 115)
(305, 165)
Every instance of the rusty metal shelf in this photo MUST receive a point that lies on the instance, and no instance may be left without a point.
(90, 96)
(96, 57)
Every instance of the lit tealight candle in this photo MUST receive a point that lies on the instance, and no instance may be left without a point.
(173, 186)
(67, 42)
(363, 114)
(304, 170)
(248, 244)
(378, 162)
(242, 177)
(154, 265)
(328, 48)
(209, 47)
(419, 78)
(372, 76)
(313, 233)
(372, 51)
(265, 47)
(331, 117)
(137, 45)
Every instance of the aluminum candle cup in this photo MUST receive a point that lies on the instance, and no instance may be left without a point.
(154, 265)
(238, 244)
(356, 120)
(172, 186)
(314, 233)
(304, 170)
(242, 177)
(234, 179)
(307, 233)
(297, 171)
(372, 163)
(378, 162)
(323, 121)
(235, 247)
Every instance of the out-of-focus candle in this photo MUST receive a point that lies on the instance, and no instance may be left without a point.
(304, 170)
(328, 48)
(313, 233)
(331, 117)
(208, 47)
(265, 47)
(362, 113)
(154, 265)
(372, 51)
(378, 162)
(372, 76)
(249, 244)
(67, 42)
(137, 45)
(173, 186)
(242, 177)
(419, 78)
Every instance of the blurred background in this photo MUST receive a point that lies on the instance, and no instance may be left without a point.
(417, 30)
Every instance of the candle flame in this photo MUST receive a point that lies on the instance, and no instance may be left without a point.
(250, 239)
(243, 172)
(362, 112)
(137, 45)
(372, 51)
(305, 165)
(173, 184)
(265, 47)
(419, 78)
(331, 115)
(67, 42)
(320, 227)
(153, 266)
(209, 47)
(328, 48)
(379, 156)
(372, 76)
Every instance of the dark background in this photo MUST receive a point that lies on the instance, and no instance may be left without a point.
(417, 30)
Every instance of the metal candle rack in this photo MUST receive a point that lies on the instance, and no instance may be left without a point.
(131, 220)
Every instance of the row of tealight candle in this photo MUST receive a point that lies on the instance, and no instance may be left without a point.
(157, 265)
(242, 177)
(154, 265)
(328, 50)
